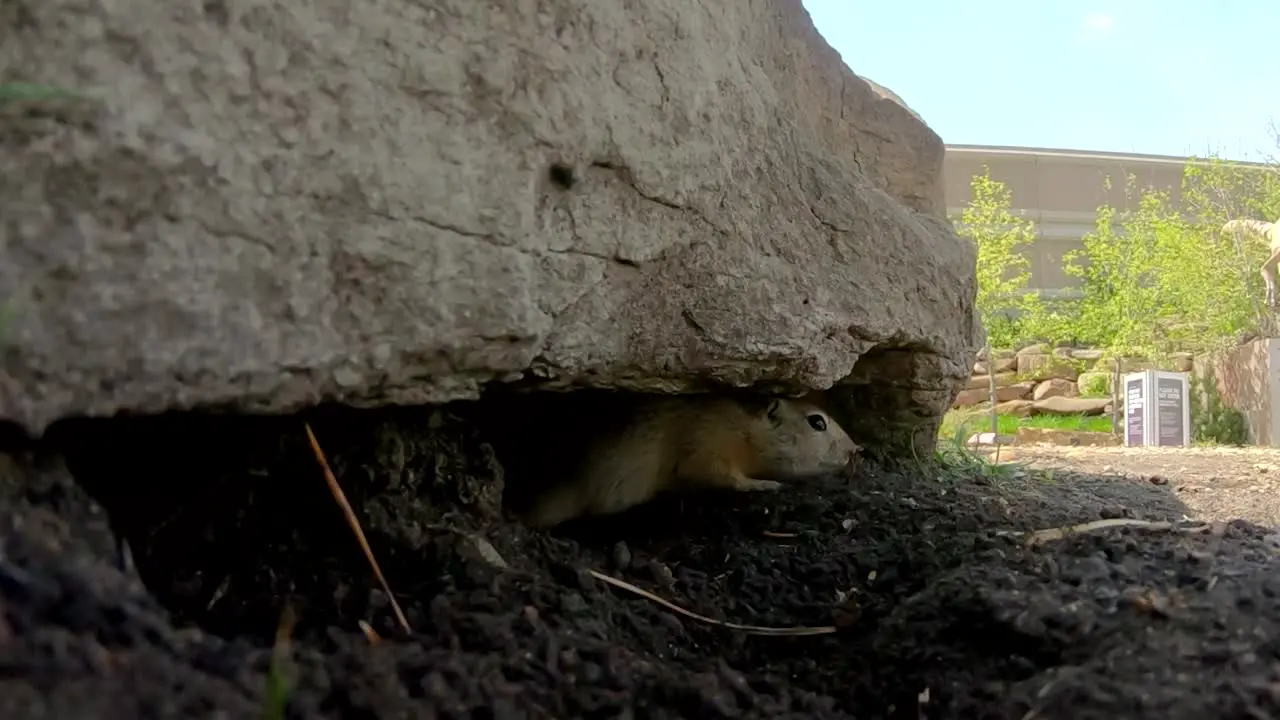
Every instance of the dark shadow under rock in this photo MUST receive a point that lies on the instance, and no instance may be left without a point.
(79, 638)
(230, 518)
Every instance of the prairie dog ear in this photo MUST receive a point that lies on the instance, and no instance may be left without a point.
(773, 411)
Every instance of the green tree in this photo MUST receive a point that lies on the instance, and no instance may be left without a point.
(1121, 268)
(1149, 278)
(1215, 191)
(1003, 270)
(1158, 277)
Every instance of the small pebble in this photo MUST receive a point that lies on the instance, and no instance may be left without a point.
(661, 574)
(621, 555)
(572, 603)
(586, 581)
(671, 622)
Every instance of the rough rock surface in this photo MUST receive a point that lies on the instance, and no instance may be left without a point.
(1054, 387)
(1005, 393)
(262, 206)
(1071, 406)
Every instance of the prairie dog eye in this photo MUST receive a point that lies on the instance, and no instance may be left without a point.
(817, 422)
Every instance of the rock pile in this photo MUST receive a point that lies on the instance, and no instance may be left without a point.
(1040, 380)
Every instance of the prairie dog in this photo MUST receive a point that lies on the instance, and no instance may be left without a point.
(685, 442)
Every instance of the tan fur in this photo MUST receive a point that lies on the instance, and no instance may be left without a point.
(686, 442)
(1269, 231)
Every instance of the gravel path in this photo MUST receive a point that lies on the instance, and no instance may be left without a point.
(1216, 483)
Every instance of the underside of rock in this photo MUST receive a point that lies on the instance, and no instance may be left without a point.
(271, 206)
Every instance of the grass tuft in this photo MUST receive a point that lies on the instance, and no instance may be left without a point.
(979, 421)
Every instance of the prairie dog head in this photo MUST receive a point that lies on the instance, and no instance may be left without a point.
(798, 439)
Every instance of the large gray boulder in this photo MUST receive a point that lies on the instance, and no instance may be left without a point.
(267, 205)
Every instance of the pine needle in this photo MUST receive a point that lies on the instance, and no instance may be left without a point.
(749, 629)
(341, 498)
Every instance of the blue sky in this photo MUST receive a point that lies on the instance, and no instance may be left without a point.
(1173, 78)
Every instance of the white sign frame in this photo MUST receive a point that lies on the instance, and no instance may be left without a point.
(1147, 406)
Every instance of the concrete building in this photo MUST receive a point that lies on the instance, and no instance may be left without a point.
(1060, 190)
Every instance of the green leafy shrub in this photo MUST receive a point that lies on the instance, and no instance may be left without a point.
(1212, 421)
(1002, 269)
(1155, 277)
(1095, 385)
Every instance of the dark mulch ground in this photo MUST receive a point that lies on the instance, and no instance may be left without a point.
(940, 617)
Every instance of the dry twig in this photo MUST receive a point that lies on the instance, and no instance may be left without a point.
(355, 526)
(1039, 537)
(369, 633)
(749, 629)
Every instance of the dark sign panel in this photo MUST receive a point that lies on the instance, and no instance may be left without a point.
(1170, 408)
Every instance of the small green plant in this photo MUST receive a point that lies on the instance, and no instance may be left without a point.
(957, 461)
(32, 92)
(277, 692)
(1095, 385)
(952, 422)
(277, 680)
(1212, 421)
